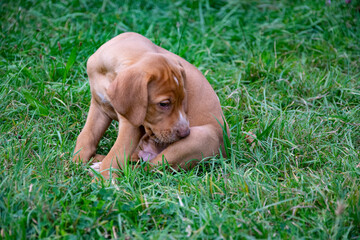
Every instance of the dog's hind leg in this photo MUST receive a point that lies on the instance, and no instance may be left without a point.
(203, 141)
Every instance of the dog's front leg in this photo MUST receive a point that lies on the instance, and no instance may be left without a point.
(96, 124)
(125, 144)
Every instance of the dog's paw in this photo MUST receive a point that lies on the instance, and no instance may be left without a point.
(95, 167)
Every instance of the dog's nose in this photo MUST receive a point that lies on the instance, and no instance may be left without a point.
(183, 132)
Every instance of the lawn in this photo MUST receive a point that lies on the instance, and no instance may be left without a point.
(288, 71)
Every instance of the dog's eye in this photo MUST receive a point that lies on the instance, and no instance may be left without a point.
(165, 104)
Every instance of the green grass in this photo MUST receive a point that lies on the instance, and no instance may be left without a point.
(288, 71)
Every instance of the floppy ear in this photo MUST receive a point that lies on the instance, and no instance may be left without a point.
(128, 95)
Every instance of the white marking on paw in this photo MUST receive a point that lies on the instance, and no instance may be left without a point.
(96, 166)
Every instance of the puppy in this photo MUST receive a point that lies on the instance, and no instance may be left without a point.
(164, 105)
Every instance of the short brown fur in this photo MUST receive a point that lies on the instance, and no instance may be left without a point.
(147, 87)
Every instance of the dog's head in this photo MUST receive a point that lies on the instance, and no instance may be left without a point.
(151, 93)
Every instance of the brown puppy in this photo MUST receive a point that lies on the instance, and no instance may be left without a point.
(157, 97)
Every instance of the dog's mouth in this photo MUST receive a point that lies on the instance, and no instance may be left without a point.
(160, 141)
